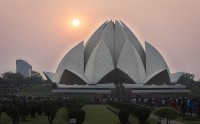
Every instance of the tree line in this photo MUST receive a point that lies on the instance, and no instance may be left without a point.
(18, 109)
(188, 79)
(16, 80)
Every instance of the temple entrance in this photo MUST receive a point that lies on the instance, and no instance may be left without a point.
(117, 77)
(120, 91)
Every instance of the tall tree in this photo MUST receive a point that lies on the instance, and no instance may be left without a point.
(13, 78)
(13, 111)
(1, 80)
(36, 74)
(35, 78)
(50, 109)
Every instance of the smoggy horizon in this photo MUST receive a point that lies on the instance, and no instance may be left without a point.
(42, 31)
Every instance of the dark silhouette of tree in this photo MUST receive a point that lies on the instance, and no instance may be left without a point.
(32, 109)
(186, 78)
(142, 113)
(39, 108)
(13, 79)
(35, 78)
(0, 110)
(16, 80)
(54, 85)
(123, 116)
(1, 80)
(77, 114)
(24, 110)
(13, 111)
(50, 110)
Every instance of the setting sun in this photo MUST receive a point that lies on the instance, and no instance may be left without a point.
(75, 22)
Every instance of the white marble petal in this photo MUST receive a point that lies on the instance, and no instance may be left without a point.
(51, 76)
(108, 37)
(99, 64)
(136, 43)
(73, 61)
(120, 38)
(175, 76)
(131, 63)
(92, 42)
(154, 62)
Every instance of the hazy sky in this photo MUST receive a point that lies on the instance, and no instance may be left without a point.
(41, 32)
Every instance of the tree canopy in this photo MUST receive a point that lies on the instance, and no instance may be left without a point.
(11, 79)
(166, 112)
(186, 78)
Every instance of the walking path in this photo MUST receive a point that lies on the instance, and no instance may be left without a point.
(164, 121)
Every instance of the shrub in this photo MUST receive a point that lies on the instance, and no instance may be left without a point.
(39, 108)
(0, 110)
(24, 110)
(166, 112)
(78, 114)
(123, 116)
(32, 109)
(142, 113)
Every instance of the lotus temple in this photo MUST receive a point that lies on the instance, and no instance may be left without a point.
(114, 63)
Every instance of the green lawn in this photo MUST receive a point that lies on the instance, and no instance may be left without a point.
(99, 114)
(36, 90)
(187, 122)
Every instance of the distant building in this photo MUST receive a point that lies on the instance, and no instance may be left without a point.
(23, 68)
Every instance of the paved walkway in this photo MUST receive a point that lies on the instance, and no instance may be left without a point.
(164, 121)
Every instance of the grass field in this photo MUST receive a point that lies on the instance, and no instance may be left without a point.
(187, 122)
(99, 114)
(37, 91)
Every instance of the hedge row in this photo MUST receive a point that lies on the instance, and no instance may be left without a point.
(138, 111)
